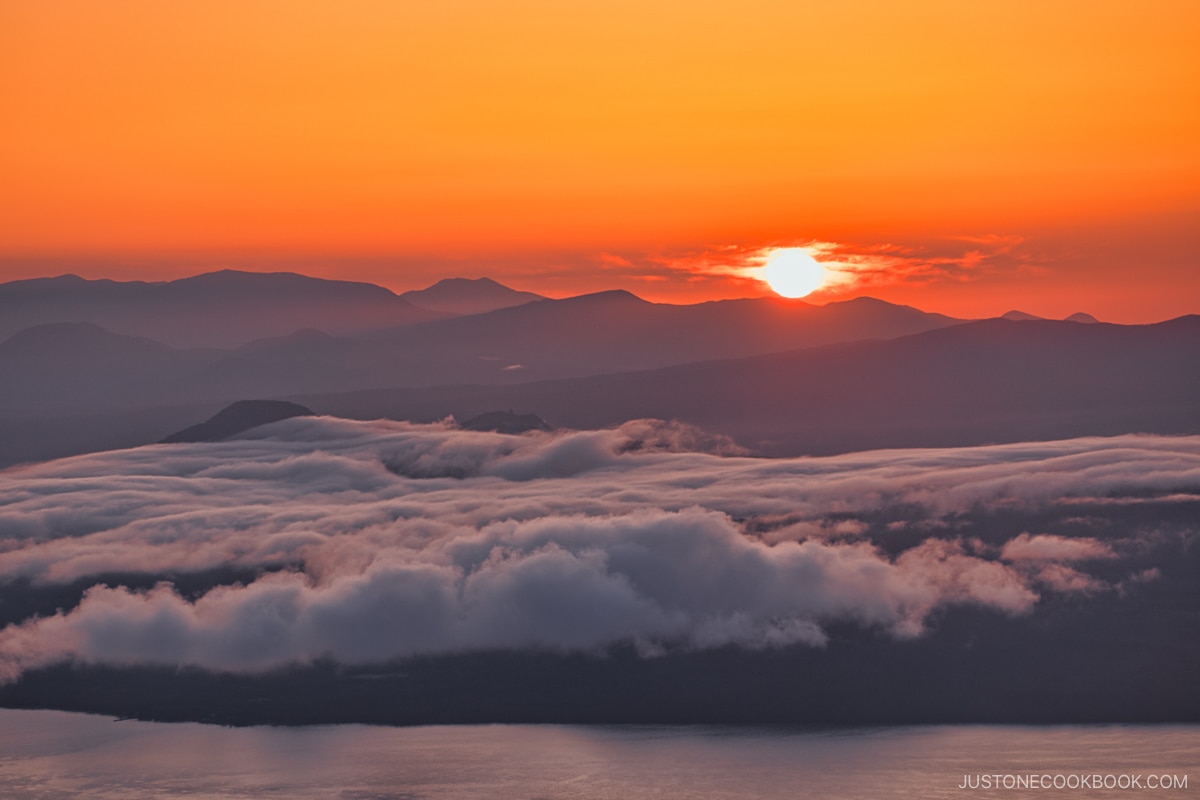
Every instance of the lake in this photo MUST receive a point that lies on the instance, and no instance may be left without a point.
(50, 754)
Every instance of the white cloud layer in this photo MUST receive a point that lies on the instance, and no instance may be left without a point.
(387, 539)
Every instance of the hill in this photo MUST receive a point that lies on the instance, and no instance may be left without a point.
(237, 418)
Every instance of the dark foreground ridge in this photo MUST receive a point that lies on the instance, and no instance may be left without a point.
(980, 669)
(1112, 657)
(237, 418)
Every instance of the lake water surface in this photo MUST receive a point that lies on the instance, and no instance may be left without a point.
(49, 754)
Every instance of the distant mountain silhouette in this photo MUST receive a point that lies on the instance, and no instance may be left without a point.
(988, 381)
(238, 418)
(81, 366)
(83, 341)
(1018, 316)
(468, 296)
(1080, 316)
(217, 309)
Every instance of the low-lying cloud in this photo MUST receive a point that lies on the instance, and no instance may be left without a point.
(1045, 547)
(376, 541)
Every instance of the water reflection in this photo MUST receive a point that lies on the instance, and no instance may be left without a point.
(45, 754)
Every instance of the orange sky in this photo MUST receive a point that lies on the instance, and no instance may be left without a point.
(1040, 155)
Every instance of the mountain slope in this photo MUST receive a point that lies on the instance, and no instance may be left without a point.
(237, 418)
(989, 381)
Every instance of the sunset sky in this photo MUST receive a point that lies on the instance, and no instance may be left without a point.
(964, 157)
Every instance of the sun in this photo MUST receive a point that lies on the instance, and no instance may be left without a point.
(792, 272)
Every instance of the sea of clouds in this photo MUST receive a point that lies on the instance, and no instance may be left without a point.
(372, 541)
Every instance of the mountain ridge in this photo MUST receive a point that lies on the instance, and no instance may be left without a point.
(598, 333)
(468, 296)
(223, 309)
(975, 383)
(980, 382)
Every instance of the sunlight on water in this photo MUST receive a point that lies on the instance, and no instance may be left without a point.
(45, 754)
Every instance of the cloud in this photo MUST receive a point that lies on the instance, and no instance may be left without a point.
(863, 267)
(1044, 547)
(376, 541)
(852, 266)
(1065, 579)
(685, 578)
